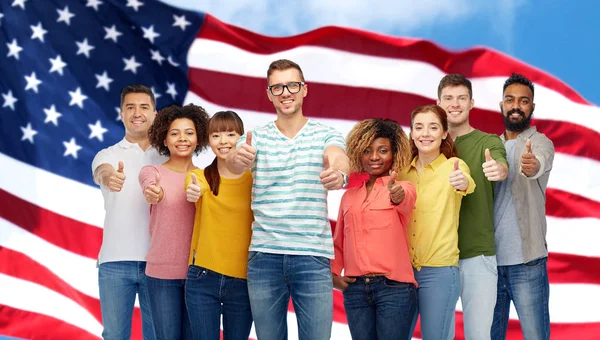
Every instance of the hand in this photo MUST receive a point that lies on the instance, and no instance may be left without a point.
(396, 190)
(529, 164)
(154, 192)
(492, 169)
(194, 191)
(458, 180)
(341, 282)
(245, 154)
(116, 179)
(330, 178)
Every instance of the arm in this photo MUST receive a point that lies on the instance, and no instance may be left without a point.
(337, 264)
(194, 186)
(149, 179)
(242, 158)
(496, 158)
(337, 158)
(462, 166)
(106, 176)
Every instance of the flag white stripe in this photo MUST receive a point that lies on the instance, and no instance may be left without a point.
(330, 66)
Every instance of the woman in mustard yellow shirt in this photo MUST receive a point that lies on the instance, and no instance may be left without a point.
(216, 279)
(441, 180)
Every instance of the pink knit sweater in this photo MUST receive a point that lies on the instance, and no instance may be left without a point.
(171, 225)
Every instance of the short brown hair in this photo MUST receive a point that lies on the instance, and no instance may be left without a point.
(282, 65)
(452, 80)
(138, 88)
(448, 148)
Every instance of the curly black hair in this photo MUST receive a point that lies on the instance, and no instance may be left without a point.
(516, 78)
(159, 129)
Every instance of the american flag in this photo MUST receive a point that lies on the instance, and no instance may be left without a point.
(64, 62)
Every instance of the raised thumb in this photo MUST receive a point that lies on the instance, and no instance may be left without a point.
(488, 157)
(249, 138)
(120, 169)
(194, 179)
(456, 164)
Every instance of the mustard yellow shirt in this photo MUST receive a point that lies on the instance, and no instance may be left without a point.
(222, 225)
(433, 228)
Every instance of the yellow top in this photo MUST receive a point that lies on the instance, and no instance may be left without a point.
(222, 225)
(433, 228)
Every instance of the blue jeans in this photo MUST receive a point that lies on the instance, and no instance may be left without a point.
(118, 283)
(273, 278)
(167, 302)
(438, 292)
(209, 294)
(380, 308)
(528, 287)
(478, 281)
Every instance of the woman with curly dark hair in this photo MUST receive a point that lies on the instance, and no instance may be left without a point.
(441, 180)
(216, 282)
(370, 241)
(177, 132)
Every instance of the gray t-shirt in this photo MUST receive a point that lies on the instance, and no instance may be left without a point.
(507, 235)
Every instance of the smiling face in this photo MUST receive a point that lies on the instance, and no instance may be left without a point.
(137, 114)
(457, 103)
(427, 133)
(287, 104)
(223, 142)
(517, 107)
(377, 159)
(181, 138)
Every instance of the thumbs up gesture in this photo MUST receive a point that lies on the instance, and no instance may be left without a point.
(492, 170)
(244, 155)
(194, 191)
(529, 164)
(458, 180)
(116, 179)
(396, 190)
(330, 178)
(154, 192)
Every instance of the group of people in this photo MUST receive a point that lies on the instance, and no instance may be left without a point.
(446, 211)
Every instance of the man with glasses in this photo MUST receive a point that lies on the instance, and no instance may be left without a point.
(294, 161)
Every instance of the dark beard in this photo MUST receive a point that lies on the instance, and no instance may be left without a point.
(519, 126)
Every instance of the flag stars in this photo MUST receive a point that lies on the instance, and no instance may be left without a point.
(77, 98)
(32, 82)
(180, 22)
(57, 65)
(71, 148)
(65, 16)
(9, 100)
(28, 133)
(97, 131)
(52, 115)
(104, 81)
(20, 3)
(119, 113)
(1, 16)
(94, 4)
(156, 56)
(171, 90)
(14, 49)
(135, 4)
(84, 48)
(112, 33)
(131, 64)
(150, 34)
(156, 94)
(38, 32)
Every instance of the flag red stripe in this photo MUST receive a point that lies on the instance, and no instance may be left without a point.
(472, 63)
(568, 268)
(248, 93)
(66, 233)
(28, 325)
(566, 204)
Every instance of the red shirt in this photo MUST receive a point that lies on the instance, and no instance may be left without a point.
(370, 234)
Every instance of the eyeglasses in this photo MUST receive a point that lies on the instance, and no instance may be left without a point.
(292, 87)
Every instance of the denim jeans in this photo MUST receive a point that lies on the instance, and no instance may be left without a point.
(209, 294)
(118, 283)
(478, 284)
(438, 292)
(273, 278)
(380, 308)
(167, 302)
(528, 287)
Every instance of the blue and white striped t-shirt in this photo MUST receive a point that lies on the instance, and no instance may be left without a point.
(288, 199)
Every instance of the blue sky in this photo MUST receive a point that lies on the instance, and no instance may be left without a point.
(558, 36)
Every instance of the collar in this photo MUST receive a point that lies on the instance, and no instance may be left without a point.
(527, 133)
(434, 165)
